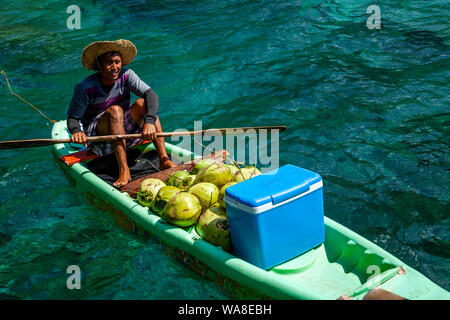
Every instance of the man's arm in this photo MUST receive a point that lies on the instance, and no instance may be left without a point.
(78, 136)
(152, 104)
(142, 90)
(78, 106)
(73, 125)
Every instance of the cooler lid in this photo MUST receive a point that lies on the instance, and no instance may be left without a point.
(274, 186)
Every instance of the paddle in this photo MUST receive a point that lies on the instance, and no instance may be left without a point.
(46, 142)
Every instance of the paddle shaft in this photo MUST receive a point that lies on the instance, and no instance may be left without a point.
(47, 142)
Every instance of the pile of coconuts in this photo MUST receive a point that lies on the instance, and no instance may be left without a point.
(185, 199)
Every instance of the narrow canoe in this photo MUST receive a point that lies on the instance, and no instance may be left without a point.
(346, 264)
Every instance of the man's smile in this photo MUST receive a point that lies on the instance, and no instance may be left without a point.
(115, 74)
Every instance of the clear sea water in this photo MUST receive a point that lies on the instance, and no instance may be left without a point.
(367, 109)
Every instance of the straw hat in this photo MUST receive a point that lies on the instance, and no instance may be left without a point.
(95, 49)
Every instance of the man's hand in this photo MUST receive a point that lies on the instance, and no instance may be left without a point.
(79, 138)
(148, 132)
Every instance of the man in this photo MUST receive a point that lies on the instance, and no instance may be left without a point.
(101, 105)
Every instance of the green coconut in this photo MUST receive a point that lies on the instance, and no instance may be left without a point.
(222, 193)
(164, 195)
(233, 168)
(246, 173)
(202, 164)
(182, 210)
(148, 189)
(254, 169)
(176, 178)
(217, 174)
(212, 226)
(187, 182)
(206, 192)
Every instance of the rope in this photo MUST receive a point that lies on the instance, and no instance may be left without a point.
(18, 96)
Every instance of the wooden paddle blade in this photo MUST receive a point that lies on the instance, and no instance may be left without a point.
(30, 143)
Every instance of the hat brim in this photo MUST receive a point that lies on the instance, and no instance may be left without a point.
(95, 49)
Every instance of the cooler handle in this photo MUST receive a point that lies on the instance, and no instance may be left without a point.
(290, 193)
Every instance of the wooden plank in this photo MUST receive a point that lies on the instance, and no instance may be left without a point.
(133, 186)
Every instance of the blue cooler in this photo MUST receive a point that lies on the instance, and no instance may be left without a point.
(276, 216)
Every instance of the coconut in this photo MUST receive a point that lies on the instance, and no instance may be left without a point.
(148, 189)
(217, 174)
(182, 210)
(222, 193)
(206, 192)
(212, 226)
(254, 169)
(202, 164)
(176, 178)
(163, 196)
(246, 173)
(187, 182)
(233, 168)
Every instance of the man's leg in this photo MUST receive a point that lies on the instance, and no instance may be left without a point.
(138, 112)
(112, 123)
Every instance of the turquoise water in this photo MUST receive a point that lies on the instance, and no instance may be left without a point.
(367, 109)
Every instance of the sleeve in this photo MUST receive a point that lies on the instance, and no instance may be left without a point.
(152, 105)
(73, 125)
(79, 103)
(136, 85)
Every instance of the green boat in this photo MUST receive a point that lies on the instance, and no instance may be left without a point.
(345, 265)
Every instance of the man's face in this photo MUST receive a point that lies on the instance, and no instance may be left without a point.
(111, 64)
